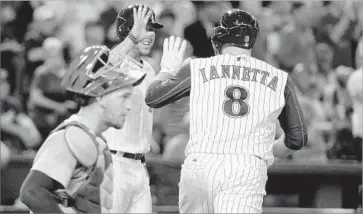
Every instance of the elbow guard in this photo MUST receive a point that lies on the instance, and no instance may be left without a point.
(296, 144)
(152, 104)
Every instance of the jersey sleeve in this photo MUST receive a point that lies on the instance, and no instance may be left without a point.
(161, 93)
(292, 120)
(55, 159)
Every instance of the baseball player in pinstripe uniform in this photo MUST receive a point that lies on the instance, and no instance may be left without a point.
(235, 102)
(136, 31)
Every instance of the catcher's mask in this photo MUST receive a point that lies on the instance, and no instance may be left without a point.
(91, 74)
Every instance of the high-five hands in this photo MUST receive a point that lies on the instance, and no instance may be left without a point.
(173, 54)
(140, 21)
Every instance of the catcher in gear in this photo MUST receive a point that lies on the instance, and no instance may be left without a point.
(235, 103)
(72, 172)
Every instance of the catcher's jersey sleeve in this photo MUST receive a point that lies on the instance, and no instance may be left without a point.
(292, 120)
(55, 159)
(161, 93)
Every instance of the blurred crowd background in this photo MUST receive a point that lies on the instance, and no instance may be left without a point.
(318, 42)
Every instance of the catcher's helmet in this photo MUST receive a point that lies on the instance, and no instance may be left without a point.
(237, 27)
(125, 21)
(90, 73)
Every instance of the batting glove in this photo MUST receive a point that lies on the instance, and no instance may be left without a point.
(173, 55)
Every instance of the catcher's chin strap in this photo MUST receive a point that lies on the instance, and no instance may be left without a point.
(61, 196)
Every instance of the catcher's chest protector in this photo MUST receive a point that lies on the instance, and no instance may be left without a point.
(90, 188)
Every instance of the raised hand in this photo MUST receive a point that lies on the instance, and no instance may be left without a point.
(173, 54)
(140, 21)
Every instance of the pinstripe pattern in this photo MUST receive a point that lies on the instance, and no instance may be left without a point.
(216, 183)
(212, 131)
(227, 156)
(131, 181)
(133, 137)
(131, 188)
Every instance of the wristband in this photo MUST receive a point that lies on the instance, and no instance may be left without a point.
(133, 38)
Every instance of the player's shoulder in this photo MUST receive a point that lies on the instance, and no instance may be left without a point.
(55, 138)
(82, 143)
(76, 140)
(269, 67)
(200, 60)
(282, 76)
(55, 143)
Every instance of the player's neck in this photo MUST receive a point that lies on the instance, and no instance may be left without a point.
(93, 119)
(235, 51)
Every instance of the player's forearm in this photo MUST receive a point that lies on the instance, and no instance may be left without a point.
(166, 89)
(162, 76)
(39, 200)
(292, 120)
(161, 93)
(121, 50)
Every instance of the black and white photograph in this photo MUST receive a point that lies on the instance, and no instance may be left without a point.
(179, 106)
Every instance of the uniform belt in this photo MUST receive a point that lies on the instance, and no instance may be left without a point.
(130, 155)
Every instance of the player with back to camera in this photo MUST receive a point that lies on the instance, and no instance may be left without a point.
(129, 145)
(235, 102)
(72, 172)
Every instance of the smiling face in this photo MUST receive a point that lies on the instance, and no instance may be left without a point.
(147, 40)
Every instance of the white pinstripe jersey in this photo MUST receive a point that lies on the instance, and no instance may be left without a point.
(234, 105)
(137, 130)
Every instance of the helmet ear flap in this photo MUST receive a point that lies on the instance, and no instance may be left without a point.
(248, 37)
(216, 43)
(122, 29)
(216, 46)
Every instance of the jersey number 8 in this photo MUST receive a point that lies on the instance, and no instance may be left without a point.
(235, 105)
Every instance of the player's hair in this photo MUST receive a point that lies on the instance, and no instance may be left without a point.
(83, 100)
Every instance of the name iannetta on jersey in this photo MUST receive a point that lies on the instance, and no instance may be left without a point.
(248, 74)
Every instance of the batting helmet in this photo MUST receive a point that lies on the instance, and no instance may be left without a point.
(91, 74)
(236, 27)
(125, 21)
